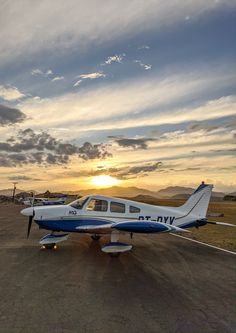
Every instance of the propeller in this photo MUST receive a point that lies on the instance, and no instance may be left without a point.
(29, 225)
(31, 218)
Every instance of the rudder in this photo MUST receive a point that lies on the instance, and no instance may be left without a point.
(198, 202)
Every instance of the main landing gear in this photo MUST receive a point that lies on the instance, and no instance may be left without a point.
(115, 248)
(95, 237)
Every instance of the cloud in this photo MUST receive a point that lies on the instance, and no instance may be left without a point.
(143, 47)
(77, 83)
(133, 143)
(29, 147)
(145, 66)
(39, 72)
(156, 100)
(89, 151)
(58, 78)
(10, 93)
(106, 23)
(203, 126)
(22, 178)
(10, 116)
(90, 76)
(123, 173)
(116, 58)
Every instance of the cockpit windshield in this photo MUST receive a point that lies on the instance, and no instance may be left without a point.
(79, 203)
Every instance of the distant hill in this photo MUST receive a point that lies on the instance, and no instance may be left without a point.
(117, 191)
(175, 192)
(181, 196)
(9, 191)
(172, 191)
(144, 198)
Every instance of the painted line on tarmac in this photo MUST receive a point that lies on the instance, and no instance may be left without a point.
(195, 241)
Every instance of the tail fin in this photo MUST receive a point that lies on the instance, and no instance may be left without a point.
(198, 202)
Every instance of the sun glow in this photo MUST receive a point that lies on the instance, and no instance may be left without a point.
(104, 181)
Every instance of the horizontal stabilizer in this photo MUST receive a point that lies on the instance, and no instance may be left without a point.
(221, 223)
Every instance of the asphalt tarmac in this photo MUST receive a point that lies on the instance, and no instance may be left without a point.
(165, 284)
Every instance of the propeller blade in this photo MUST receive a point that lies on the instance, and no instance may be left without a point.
(29, 225)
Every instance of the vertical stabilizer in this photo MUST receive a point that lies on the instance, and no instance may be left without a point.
(198, 202)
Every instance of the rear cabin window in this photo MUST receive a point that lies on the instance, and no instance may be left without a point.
(133, 209)
(97, 205)
(117, 207)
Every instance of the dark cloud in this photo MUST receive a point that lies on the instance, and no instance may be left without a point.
(197, 126)
(133, 143)
(223, 150)
(120, 172)
(10, 116)
(201, 126)
(89, 151)
(22, 178)
(143, 168)
(28, 147)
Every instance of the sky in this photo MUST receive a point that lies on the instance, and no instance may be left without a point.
(141, 91)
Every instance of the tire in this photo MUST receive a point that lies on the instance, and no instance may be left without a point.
(114, 254)
(49, 246)
(95, 237)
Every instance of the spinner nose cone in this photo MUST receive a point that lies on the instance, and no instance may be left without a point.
(27, 211)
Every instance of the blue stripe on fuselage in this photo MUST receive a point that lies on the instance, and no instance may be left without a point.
(69, 225)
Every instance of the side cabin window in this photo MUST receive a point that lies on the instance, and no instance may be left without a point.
(97, 205)
(133, 209)
(117, 207)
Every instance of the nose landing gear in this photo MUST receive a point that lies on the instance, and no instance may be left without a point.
(49, 241)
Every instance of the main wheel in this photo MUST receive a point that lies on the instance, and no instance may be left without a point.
(95, 237)
(50, 246)
(114, 254)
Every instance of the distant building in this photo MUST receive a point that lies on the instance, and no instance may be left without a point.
(230, 197)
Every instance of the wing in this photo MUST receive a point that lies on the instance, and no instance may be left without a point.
(99, 229)
(131, 226)
(146, 227)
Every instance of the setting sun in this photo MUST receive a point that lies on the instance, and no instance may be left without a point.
(104, 181)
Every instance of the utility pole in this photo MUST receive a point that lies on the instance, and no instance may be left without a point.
(14, 191)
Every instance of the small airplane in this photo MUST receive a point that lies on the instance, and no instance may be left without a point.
(101, 215)
(33, 201)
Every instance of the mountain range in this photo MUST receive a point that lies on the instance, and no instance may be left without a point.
(9, 191)
(176, 192)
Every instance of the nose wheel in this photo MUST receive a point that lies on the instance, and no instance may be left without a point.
(49, 246)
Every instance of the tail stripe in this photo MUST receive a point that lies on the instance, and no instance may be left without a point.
(180, 217)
